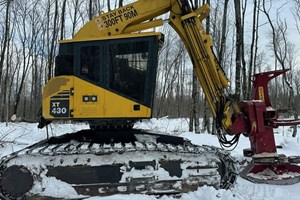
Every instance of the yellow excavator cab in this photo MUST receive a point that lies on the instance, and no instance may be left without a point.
(107, 79)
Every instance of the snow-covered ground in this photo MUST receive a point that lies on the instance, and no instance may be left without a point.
(16, 136)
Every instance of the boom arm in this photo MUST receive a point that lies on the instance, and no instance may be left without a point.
(186, 22)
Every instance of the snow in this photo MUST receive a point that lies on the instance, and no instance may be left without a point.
(269, 174)
(16, 136)
(50, 186)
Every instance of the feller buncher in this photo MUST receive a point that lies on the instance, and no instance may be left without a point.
(105, 75)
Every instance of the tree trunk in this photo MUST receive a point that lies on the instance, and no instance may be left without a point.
(238, 60)
(252, 46)
(74, 21)
(206, 120)
(120, 3)
(194, 117)
(206, 116)
(223, 37)
(108, 5)
(53, 41)
(6, 35)
(63, 15)
(243, 62)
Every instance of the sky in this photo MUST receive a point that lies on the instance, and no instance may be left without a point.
(279, 9)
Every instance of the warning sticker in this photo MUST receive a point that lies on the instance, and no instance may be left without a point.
(116, 16)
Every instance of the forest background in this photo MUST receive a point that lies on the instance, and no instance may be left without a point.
(249, 37)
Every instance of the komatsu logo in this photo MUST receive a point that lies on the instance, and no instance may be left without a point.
(116, 16)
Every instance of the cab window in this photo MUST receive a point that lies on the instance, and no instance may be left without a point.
(128, 65)
(90, 62)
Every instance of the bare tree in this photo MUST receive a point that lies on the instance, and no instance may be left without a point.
(280, 48)
(53, 40)
(5, 38)
(206, 116)
(171, 61)
(121, 3)
(244, 75)
(194, 116)
(223, 37)
(74, 12)
(63, 16)
(108, 5)
(28, 35)
(90, 9)
(5, 90)
(238, 57)
(253, 46)
(296, 13)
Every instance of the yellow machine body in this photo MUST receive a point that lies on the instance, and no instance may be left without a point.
(85, 86)
(70, 97)
(128, 23)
